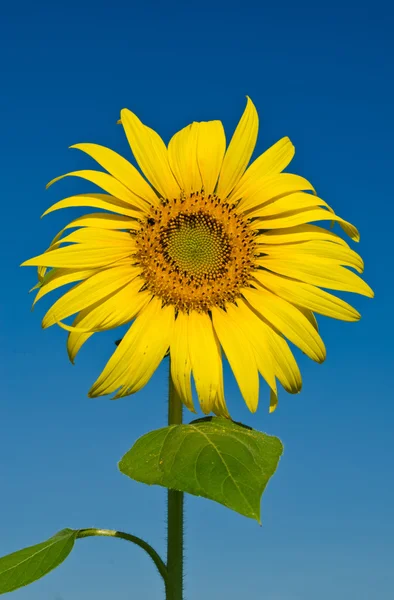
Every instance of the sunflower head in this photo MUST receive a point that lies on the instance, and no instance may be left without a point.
(204, 256)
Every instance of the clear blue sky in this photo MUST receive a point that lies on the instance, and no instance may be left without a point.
(320, 73)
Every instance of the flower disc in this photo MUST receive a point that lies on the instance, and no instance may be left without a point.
(195, 252)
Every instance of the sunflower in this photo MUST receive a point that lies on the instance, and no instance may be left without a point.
(205, 257)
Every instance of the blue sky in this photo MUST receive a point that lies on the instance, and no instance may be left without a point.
(321, 74)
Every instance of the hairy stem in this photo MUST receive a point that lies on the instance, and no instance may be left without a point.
(174, 583)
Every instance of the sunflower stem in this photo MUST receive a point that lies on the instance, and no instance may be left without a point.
(174, 582)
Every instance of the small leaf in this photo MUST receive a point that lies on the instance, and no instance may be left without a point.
(25, 566)
(214, 458)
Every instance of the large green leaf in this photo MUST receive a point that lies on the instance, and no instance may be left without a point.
(213, 457)
(27, 565)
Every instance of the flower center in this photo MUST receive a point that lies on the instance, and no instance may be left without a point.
(195, 252)
(196, 244)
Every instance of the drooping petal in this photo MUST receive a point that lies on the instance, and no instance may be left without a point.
(239, 150)
(182, 155)
(108, 184)
(204, 352)
(285, 365)
(90, 291)
(211, 147)
(121, 169)
(283, 361)
(151, 350)
(289, 321)
(245, 319)
(240, 355)
(271, 162)
(301, 217)
(219, 406)
(317, 272)
(151, 154)
(272, 187)
(115, 310)
(309, 315)
(139, 353)
(181, 365)
(103, 201)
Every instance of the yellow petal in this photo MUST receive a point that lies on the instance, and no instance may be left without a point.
(318, 272)
(180, 360)
(285, 365)
(151, 154)
(182, 155)
(92, 290)
(108, 184)
(283, 361)
(42, 270)
(80, 256)
(301, 217)
(149, 353)
(286, 368)
(309, 315)
(300, 233)
(204, 352)
(211, 147)
(219, 405)
(239, 150)
(139, 353)
(121, 169)
(116, 310)
(289, 321)
(240, 355)
(106, 238)
(96, 201)
(246, 321)
(290, 202)
(271, 187)
(271, 162)
(318, 249)
(105, 221)
(58, 277)
(56, 240)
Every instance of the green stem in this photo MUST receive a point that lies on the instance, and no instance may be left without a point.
(161, 567)
(174, 583)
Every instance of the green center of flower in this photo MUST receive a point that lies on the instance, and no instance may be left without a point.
(196, 244)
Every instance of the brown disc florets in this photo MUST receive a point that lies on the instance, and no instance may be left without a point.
(195, 252)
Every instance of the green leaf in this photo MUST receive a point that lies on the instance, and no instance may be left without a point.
(27, 565)
(213, 457)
